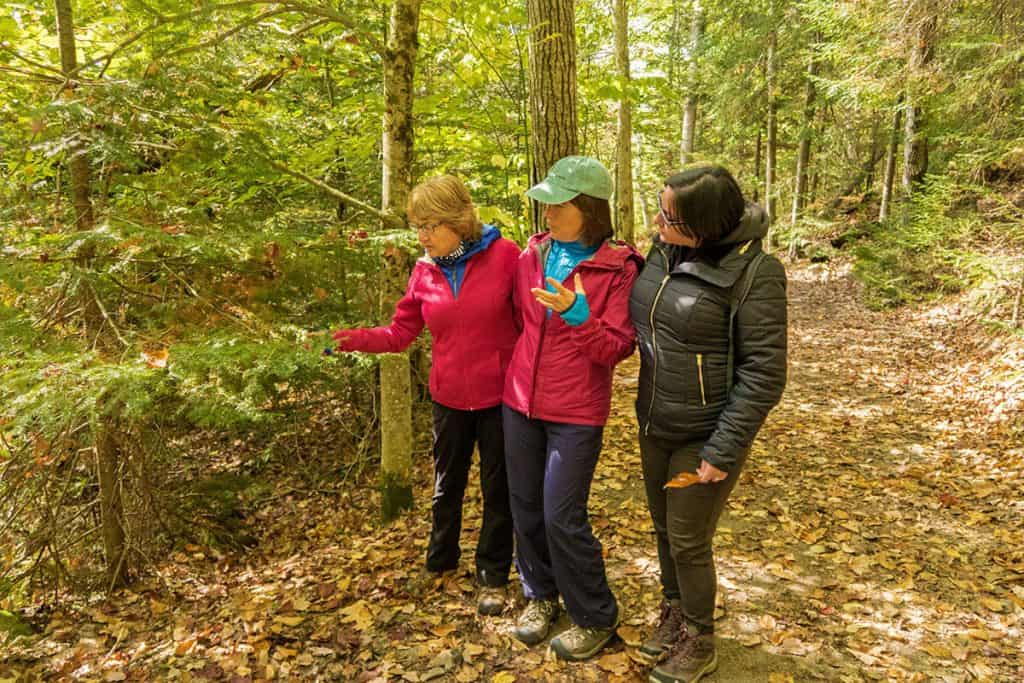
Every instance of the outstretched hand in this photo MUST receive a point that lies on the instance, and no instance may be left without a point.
(562, 299)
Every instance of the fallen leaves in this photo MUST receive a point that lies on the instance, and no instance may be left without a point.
(871, 533)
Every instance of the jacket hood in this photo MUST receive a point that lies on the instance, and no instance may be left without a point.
(489, 235)
(611, 254)
(753, 225)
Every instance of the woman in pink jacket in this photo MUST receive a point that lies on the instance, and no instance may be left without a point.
(462, 291)
(572, 296)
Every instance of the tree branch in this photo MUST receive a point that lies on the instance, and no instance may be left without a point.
(220, 37)
(389, 219)
(284, 6)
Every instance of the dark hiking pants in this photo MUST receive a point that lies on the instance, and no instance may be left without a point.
(684, 522)
(455, 433)
(551, 466)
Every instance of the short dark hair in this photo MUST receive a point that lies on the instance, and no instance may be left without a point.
(597, 219)
(709, 202)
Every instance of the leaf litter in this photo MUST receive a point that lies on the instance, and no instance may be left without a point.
(876, 534)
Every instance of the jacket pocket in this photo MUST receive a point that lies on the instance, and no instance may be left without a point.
(700, 379)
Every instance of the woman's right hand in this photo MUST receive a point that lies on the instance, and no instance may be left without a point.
(347, 340)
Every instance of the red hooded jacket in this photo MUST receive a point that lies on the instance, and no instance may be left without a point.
(474, 333)
(561, 373)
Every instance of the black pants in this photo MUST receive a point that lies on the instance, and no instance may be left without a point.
(455, 433)
(684, 522)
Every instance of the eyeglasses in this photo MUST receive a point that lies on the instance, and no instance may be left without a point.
(666, 219)
(425, 228)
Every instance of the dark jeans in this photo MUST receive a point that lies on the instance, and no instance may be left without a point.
(455, 433)
(551, 466)
(684, 522)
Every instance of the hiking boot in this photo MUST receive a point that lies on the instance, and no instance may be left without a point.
(490, 600)
(691, 658)
(578, 643)
(535, 621)
(665, 634)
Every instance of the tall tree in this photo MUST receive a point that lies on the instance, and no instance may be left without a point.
(553, 117)
(889, 179)
(772, 128)
(395, 389)
(922, 30)
(693, 71)
(624, 152)
(803, 156)
(78, 163)
(106, 443)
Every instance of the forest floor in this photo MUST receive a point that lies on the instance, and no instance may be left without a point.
(876, 534)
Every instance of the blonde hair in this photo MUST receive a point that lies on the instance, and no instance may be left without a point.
(445, 199)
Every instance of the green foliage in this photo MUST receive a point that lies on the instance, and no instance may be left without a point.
(935, 247)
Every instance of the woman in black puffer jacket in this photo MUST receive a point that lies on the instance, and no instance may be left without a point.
(710, 314)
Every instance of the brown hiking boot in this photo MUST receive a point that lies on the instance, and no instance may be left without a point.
(670, 622)
(691, 658)
(535, 621)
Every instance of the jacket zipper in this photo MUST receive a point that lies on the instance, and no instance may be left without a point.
(700, 377)
(540, 345)
(654, 340)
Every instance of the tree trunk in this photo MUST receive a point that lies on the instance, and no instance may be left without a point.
(890, 163)
(108, 460)
(645, 210)
(690, 108)
(624, 153)
(757, 166)
(105, 436)
(770, 151)
(78, 163)
(552, 53)
(869, 181)
(395, 390)
(915, 141)
(804, 154)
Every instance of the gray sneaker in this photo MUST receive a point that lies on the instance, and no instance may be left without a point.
(535, 621)
(490, 600)
(577, 643)
(665, 634)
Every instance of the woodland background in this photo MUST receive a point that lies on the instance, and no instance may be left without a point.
(191, 193)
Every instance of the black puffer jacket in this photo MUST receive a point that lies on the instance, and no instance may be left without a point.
(682, 323)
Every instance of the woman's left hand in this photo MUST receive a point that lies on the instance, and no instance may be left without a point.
(562, 299)
(709, 474)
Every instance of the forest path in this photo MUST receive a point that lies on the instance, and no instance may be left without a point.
(876, 533)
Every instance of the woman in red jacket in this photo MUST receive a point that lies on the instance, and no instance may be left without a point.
(572, 296)
(461, 290)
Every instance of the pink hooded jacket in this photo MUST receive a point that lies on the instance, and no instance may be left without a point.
(474, 333)
(561, 373)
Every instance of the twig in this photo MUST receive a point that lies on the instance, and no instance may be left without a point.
(389, 219)
(133, 291)
(106, 317)
(1016, 304)
(220, 37)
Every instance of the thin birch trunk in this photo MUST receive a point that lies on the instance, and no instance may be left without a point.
(624, 152)
(395, 387)
(690, 108)
(889, 180)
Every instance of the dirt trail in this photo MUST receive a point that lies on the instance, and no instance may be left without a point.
(877, 534)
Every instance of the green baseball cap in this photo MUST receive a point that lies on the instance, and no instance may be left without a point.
(572, 176)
